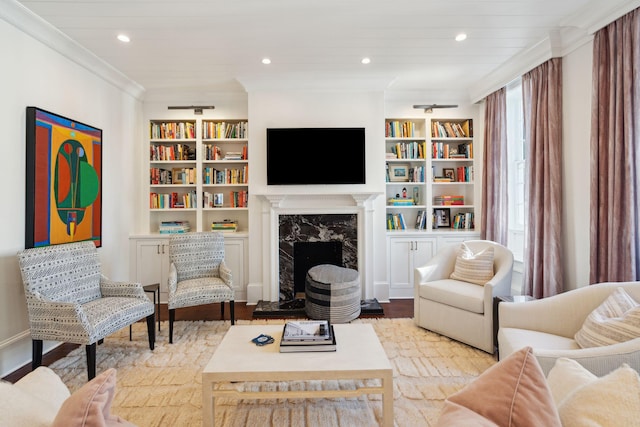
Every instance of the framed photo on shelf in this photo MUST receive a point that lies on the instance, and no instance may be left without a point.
(443, 217)
(399, 173)
(218, 200)
(449, 173)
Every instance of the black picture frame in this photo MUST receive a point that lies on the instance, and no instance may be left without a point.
(443, 217)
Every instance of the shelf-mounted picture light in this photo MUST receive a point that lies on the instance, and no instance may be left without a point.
(428, 108)
(197, 109)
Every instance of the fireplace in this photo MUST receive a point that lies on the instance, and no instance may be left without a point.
(290, 217)
(310, 254)
(308, 240)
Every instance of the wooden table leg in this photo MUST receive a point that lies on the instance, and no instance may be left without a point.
(208, 410)
(387, 401)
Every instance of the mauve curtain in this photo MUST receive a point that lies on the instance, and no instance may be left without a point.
(615, 122)
(542, 106)
(494, 223)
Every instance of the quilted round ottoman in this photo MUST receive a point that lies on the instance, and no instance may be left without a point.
(332, 293)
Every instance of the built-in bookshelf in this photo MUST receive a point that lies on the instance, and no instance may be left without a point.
(452, 173)
(198, 172)
(429, 174)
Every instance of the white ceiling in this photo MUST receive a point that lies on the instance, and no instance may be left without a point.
(219, 44)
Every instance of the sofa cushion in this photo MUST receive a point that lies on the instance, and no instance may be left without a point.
(513, 392)
(20, 408)
(616, 320)
(463, 295)
(473, 268)
(513, 339)
(90, 406)
(586, 400)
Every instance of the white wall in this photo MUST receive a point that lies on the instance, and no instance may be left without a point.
(33, 74)
(576, 98)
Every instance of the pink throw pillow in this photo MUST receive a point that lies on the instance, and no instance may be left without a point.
(90, 406)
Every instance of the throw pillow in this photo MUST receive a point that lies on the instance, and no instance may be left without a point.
(513, 392)
(610, 401)
(18, 408)
(90, 406)
(473, 268)
(566, 376)
(616, 320)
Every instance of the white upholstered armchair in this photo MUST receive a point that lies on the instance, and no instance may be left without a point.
(69, 300)
(458, 309)
(198, 274)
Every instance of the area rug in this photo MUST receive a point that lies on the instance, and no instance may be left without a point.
(163, 387)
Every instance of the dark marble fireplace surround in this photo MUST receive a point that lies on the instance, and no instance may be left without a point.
(313, 228)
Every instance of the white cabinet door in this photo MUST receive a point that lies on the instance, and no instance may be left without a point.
(405, 254)
(234, 257)
(152, 263)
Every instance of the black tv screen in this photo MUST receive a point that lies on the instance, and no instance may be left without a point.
(315, 156)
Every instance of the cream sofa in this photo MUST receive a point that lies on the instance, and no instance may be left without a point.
(549, 325)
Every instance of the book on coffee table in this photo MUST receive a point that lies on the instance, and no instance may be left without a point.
(309, 345)
(312, 331)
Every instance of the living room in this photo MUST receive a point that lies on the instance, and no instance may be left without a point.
(45, 69)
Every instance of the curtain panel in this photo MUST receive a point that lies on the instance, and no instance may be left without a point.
(495, 215)
(542, 107)
(615, 123)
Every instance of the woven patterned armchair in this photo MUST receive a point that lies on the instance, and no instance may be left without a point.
(69, 300)
(198, 274)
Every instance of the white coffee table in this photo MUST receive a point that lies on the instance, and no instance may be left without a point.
(359, 355)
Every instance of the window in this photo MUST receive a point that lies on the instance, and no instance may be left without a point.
(516, 157)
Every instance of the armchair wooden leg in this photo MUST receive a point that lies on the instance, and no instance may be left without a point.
(221, 310)
(232, 311)
(172, 317)
(36, 354)
(151, 329)
(91, 361)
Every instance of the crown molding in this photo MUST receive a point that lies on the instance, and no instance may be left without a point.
(572, 33)
(29, 23)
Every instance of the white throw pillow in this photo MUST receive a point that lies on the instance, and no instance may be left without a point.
(616, 320)
(473, 268)
(610, 401)
(566, 376)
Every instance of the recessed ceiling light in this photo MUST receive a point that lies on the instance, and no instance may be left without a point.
(366, 60)
(124, 38)
(266, 61)
(460, 37)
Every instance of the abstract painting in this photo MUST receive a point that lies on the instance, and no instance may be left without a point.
(64, 180)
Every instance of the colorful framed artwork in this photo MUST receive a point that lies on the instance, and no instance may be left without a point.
(63, 182)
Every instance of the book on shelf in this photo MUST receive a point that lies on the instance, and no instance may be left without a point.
(226, 226)
(171, 227)
(401, 202)
(446, 200)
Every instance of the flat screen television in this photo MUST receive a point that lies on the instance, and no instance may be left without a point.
(315, 156)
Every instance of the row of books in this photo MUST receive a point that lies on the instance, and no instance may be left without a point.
(451, 129)
(464, 174)
(398, 129)
(224, 130)
(171, 227)
(237, 199)
(226, 175)
(395, 221)
(307, 336)
(226, 226)
(407, 150)
(173, 130)
(214, 152)
(172, 200)
(448, 200)
(463, 220)
(444, 150)
(171, 152)
(175, 176)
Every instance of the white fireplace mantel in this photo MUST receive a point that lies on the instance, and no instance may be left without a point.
(276, 204)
